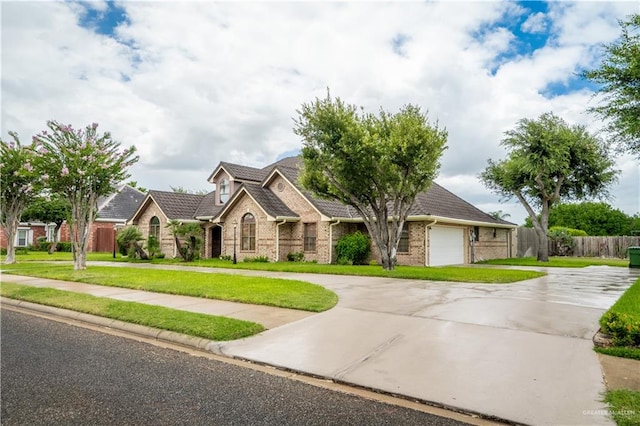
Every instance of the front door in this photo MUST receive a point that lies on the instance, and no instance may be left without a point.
(216, 242)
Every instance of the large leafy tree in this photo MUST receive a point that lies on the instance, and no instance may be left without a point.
(81, 165)
(376, 164)
(619, 77)
(549, 162)
(595, 218)
(18, 185)
(48, 209)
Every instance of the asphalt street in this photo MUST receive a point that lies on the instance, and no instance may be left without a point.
(55, 373)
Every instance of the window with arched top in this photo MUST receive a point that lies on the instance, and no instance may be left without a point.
(248, 233)
(224, 191)
(154, 227)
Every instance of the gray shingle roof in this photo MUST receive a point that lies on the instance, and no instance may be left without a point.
(245, 173)
(121, 205)
(269, 201)
(437, 201)
(207, 207)
(177, 205)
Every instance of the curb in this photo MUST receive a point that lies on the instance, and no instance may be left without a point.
(137, 329)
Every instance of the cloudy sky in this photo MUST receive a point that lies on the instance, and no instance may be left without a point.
(194, 83)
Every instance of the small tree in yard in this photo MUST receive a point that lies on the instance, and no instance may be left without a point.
(81, 165)
(129, 241)
(188, 238)
(376, 164)
(549, 162)
(18, 186)
(49, 209)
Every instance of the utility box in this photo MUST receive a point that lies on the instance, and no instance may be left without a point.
(634, 257)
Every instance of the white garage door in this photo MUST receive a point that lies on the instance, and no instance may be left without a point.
(446, 246)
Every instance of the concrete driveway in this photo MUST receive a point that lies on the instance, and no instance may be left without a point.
(520, 352)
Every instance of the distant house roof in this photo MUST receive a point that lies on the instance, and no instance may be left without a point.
(120, 205)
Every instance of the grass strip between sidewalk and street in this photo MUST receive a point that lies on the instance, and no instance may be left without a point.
(624, 406)
(440, 273)
(276, 292)
(193, 324)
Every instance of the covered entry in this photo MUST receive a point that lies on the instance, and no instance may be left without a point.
(216, 242)
(446, 245)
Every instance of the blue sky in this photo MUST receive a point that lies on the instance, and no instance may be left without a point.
(194, 83)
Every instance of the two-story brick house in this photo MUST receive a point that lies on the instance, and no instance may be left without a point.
(265, 212)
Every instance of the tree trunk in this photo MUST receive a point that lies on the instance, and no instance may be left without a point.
(543, 246)
(10, 233)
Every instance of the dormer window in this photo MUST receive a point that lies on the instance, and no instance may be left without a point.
(224, 191)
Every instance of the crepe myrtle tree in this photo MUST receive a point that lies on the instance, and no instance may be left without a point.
(375, 163)
(80, 165)
(18, 185)
(548, 162)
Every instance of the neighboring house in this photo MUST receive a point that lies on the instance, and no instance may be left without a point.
(113, 213)
(28, 234)
(265, 212)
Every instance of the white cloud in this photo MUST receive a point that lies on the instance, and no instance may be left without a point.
(194, 83)
(535, 24)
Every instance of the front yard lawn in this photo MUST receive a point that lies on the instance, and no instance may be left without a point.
(193, 324)
(443, 273)
(559, 262)
(235, 288)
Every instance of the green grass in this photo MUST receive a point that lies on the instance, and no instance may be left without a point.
(559, 262)
(446, 273)
(622, 323)
(190, 323)
(43, 256)
(620, 351)
(236, 288)
(624, 406)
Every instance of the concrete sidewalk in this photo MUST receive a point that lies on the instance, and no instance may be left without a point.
(520, 352)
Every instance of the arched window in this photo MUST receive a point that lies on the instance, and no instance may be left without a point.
(154, 227)
(224, 191)
(248, 233)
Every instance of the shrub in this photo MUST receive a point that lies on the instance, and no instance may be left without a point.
(153, 247)
(128, 241)
(225, 257)
(570, 231)
(42, 244)
(562, 240)
(623, 328)
(295, 257)
(257, 259)
(353, 249)
(64, 246)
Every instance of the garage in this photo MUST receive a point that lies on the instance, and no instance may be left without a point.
(446, 245)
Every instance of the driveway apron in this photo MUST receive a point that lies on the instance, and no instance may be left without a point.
(520, 352)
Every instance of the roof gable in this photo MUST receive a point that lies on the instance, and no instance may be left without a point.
(238, 172)
(121, 205)
(177, 205)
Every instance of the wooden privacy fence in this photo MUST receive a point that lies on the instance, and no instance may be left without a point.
(583, 246)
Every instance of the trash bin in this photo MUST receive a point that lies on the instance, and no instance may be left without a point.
(634, 257)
